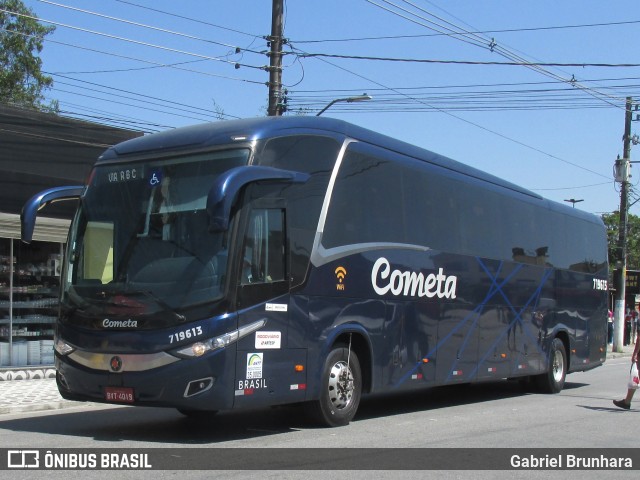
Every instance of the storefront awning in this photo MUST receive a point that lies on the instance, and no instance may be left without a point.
(47, 229)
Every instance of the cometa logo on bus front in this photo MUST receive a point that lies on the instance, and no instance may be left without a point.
(411, 284)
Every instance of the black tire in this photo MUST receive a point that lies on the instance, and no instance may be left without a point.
(340, 389)
(553, 380)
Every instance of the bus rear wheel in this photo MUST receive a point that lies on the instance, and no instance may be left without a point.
(553, 380)
(340, 389)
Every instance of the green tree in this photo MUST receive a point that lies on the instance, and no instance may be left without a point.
(612, 222)
(22, 82)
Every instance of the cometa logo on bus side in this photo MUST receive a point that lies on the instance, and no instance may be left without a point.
(411, 284)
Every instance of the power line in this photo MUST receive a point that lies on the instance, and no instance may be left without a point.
(485, 43)
(173, 104)
(475, 85)
(469, 122)
(471, 62)
(158, 29)
(188, 18)
(480, 32)
(126, 57)
(135, 42)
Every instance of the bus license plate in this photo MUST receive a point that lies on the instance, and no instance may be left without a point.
(118, 394)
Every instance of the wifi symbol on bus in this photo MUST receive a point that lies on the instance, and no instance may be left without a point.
(341, 272)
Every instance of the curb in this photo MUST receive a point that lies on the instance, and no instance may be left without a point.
(42, 407)
(26, 373)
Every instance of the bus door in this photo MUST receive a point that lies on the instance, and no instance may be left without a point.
(265, 366)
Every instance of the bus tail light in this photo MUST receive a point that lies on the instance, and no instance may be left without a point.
(200, 348)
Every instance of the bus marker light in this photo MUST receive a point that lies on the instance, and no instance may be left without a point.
(299, 368)
(503, 355)
(425, 360)
(199, 349)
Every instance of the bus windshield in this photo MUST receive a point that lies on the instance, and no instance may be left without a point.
(140, 243)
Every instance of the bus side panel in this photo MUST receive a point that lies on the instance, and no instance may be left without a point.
(517, 299)
(268, 377)
(266, 360)
(494, 352)
(457, 345)
(584, 310)
(409, 334)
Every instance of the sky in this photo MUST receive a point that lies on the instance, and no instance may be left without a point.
(533, 92)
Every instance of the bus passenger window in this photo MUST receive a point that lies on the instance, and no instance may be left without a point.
(263, 259)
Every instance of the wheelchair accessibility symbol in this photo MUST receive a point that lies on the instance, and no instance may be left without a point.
(156, 178)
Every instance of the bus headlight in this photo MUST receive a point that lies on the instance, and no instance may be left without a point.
(62, 347)
(198, 349)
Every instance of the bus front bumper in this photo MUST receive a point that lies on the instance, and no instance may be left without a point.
(204, 383)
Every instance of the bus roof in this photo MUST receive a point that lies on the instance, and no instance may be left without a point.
(212, 134)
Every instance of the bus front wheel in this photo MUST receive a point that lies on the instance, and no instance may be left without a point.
(553, 380)
(340, 389)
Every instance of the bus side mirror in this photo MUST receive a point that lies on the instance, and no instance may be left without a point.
(39, 201)
(227, 186)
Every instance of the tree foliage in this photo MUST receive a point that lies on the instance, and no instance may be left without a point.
(22, 81)
(612, 222)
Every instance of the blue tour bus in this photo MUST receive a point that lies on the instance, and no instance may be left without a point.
(303, 259)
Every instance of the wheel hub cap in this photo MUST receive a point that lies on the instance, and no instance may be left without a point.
(340, 385)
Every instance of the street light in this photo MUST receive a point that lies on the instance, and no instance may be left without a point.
(574, 201)
(359, 98)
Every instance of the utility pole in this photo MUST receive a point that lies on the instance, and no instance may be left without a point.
(275, 60)
(622, 167)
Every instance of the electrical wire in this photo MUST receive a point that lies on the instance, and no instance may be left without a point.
(462, 119)
(472, 62)
(132, 95)
(142, 25)
(485, 43)
(479, 32)
(157, 64)
(187, 18)
(132, 41)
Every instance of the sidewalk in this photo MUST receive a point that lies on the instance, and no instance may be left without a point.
(38, 394)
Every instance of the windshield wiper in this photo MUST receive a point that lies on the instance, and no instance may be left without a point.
(157, 300)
